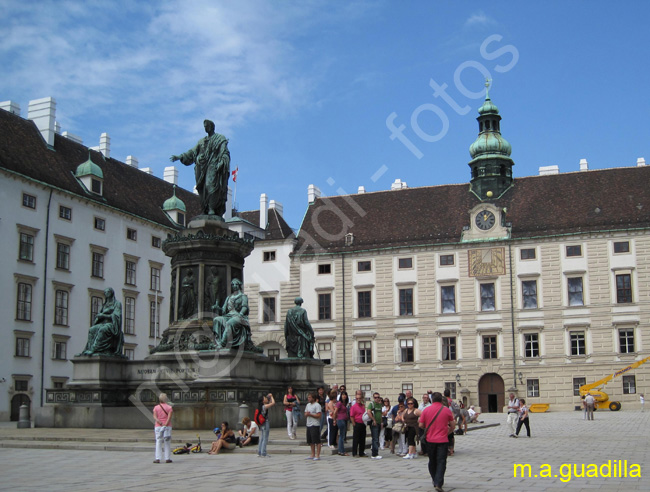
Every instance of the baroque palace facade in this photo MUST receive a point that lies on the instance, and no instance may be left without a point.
(535, 285)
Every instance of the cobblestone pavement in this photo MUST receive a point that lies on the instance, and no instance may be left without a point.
(484, 461)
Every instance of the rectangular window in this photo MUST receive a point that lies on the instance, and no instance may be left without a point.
(65, 212)
(26, 248)
(448, 298)
(155, 279)
(96, 186)
(156, 242)
(269, 310)
(527, 254)
(325, 306)
(59, 350)
(22, 347)
(61, 308)
(154, 319)
(364, 304)
(448, 348)
(532, 388)
(404, 263)
(577, 343)
(180, 218)
(95, 306)
(531, 345)
(529, 294)
(325, 352)
(269, 255)
(129, 315)
(406, 350)
(487, 297)
(100, 224)
(452, 390)
(324, 269)
(446, 260)
(626, 340)
(406, 302)
(129, 277)
(131, 234)
(98, 265)
(24, 304)
(623, 288)
(129, 353)
(21, 385)
(407, 387)
(365, 352)
(63, 256)
(577, 382)
(622, 247)
(273, 354)
(366, 389)
(629, 385)
(29, 201)
(575, 250)
(364, 266)
(575, 291)
(490, 347)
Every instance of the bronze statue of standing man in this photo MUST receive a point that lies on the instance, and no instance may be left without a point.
(212, 169)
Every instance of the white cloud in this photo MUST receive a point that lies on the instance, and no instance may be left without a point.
(478, 19)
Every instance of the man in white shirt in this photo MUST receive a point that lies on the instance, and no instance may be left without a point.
(473, 415)
(312, 413)
(513, 413)
(590, 402)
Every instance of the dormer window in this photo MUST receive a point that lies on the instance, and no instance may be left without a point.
(96, 186)
(91, 176)
(175, 209)
(180, 218)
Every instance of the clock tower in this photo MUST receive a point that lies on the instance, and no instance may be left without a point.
(491, 164)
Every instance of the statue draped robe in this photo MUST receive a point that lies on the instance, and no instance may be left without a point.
(299, 334)
(212, 170)
(105, 337)
(232, 330)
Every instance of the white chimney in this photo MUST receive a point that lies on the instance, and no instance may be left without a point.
(147, 170)
(131, 161)
(43, 113)
(362, 189)
(74, 138)
(279, 208)
(584, 165)
(105, 145)
(171, 174)
(547, 170)
(313, 192)
(264, 210)
(640, 161)
(229, 205)
(398, 185)
(12, 107)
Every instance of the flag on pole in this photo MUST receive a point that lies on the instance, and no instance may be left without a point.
(234, 175)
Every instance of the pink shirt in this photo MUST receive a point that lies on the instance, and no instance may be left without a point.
(163, 413)
(438, 430)
(356, 413)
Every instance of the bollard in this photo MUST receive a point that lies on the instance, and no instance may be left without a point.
(23, 417)
(243, 412)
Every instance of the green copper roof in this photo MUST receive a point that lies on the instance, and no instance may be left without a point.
(490, 143)
(174, 203)
(89, 168)
(488, 106)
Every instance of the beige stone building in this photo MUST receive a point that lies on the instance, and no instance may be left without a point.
(535, 285)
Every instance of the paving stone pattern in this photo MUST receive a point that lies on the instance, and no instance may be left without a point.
(483, 462)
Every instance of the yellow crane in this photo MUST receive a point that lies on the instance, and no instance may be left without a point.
(602, 398)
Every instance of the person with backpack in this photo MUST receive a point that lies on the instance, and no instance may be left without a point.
(261, 418)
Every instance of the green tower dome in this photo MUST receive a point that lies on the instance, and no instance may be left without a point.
(89, 168)
(174, 203)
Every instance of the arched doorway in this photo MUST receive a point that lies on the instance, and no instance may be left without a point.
(491, 393)
(16, 402)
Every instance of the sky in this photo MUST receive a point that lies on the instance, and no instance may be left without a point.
(339, 94)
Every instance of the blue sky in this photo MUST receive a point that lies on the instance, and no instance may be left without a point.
(304, 89)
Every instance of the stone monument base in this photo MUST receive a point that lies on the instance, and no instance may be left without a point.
(204, 387)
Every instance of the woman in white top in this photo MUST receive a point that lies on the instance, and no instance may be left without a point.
(249, 434)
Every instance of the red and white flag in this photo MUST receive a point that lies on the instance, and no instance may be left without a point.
(234, 175)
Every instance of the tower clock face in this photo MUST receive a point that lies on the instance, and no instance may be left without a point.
(485, 220)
